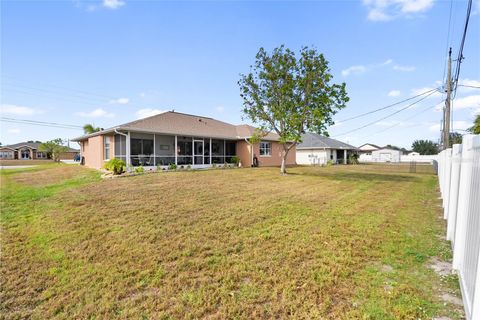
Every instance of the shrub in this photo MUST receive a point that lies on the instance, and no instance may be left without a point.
(330, 163)
(172, 166)
(115, 165)
(139, 169)
(236, 160)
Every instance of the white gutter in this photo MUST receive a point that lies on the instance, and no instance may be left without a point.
(250, 144)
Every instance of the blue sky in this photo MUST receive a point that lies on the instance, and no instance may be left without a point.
(109, 61)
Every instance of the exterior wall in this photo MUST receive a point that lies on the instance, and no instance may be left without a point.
(313, 156)
(93, 152)
(67, 155)
(386, 155)
(7, 154)
(275, 159)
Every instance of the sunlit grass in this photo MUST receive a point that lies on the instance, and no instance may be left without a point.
(245, 243)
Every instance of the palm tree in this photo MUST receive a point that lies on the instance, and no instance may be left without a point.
(89, 128)
(475, 129)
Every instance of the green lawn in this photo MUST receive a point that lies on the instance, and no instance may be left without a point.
(331, 243)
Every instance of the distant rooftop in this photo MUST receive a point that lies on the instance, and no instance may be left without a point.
(317, 141)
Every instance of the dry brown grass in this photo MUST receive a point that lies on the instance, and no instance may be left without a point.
(218, 244)
(50, 175)
(24, 162)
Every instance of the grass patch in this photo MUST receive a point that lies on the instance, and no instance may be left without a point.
(319, 243)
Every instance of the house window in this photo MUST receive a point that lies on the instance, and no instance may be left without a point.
(265, 149)
(106, 148)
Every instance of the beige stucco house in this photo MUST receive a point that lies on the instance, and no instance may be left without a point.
(181, 139)
(30, 151)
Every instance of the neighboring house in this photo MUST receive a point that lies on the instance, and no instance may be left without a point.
(181, 139)
(29, 151)
(367, 148)
(317, 150)
(386, 155)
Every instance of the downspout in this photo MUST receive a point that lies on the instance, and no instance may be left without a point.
(251, 153)
(127, 156)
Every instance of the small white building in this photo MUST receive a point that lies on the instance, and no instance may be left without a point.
(318, 150)
(386, 155)
(368, 148)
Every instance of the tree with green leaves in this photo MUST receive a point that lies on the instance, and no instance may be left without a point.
(53, 148)
(425, 147)
(290, 95)
(89, 128)
(475, 129)
(455, 138)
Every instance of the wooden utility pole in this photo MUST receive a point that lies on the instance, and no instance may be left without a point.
(446, 125)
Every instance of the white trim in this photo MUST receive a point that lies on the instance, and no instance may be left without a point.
(176, 150)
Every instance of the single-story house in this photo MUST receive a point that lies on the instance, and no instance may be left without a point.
(30, 151)
(318, 150)
(386, 155)
(181, 139)
(367, 148)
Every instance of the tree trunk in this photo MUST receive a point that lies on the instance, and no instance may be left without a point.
(283, 169)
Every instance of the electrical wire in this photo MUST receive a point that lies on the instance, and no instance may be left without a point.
(42, 123)
(460, 52)
(385, 117)
(389, 106)
(406, 119)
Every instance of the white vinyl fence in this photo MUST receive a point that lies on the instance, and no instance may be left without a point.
(459, 177)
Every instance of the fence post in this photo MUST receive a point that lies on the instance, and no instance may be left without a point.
(448, 174)
(453, 188)
(463, 201)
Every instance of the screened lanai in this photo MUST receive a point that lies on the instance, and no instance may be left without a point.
(162, 150)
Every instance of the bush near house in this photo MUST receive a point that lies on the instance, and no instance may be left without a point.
(117, 166)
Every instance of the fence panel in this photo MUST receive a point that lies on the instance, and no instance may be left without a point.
(459, 179)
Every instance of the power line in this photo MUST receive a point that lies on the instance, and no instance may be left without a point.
(389, 106)
(460, 52)
(469, 86)
(387, 116)
(42, 123)
(448, 40)
(406, 119)
(88, 93)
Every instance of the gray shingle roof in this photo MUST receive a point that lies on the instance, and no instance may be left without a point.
(176, 123)
(316, 141)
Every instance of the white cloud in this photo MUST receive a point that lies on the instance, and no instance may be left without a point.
(18, 110)
(113, 4)
(404, 68)
(220, 109)
(417, 91)
(142, 95)
(386, 10)
(15, 130)
(147, 112)
(457, 125)
(467, 102)
(468, 82)
(354, 70)
(97, 113)
(120, 101)
(394, 93)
